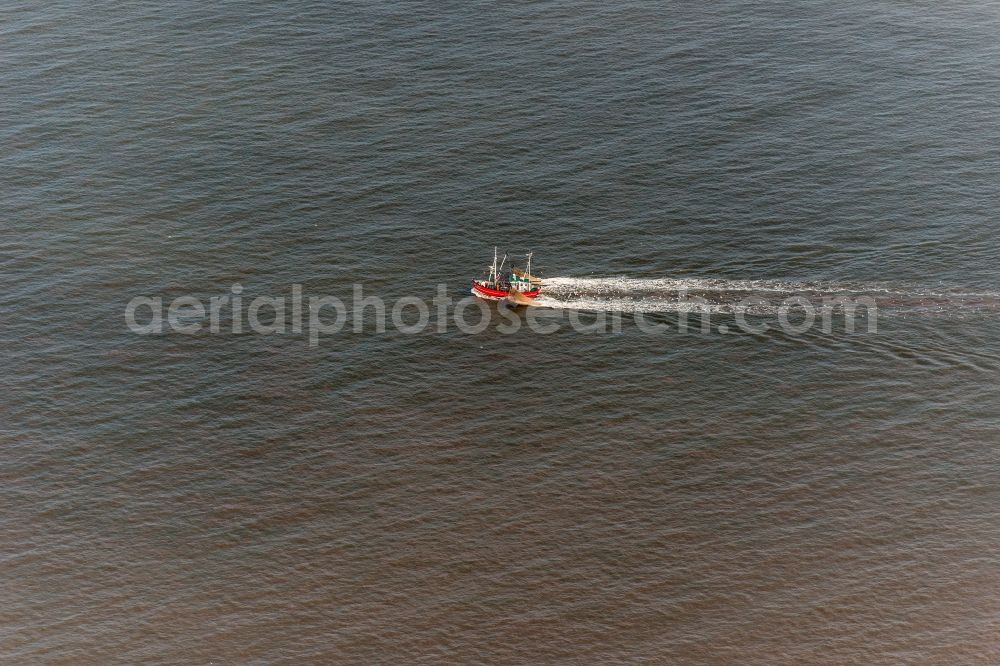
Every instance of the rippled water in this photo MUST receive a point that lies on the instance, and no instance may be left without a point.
(447, 498)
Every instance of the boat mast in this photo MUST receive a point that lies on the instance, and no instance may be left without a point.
(493, 273)
(529, 265)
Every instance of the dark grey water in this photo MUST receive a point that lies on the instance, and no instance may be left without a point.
(572, 498)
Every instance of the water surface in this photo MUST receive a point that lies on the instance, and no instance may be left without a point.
(444, 498)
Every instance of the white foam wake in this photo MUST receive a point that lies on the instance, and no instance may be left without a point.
(626, 294)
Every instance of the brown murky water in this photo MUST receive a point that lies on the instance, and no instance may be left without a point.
(617, 497)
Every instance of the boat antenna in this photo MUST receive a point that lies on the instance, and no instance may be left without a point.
(493, 274)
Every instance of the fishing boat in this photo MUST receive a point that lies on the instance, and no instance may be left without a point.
(516, 286)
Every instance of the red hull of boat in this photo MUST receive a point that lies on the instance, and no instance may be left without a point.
(489, 292)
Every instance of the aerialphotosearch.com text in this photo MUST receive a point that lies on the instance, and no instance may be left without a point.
(327, 315)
